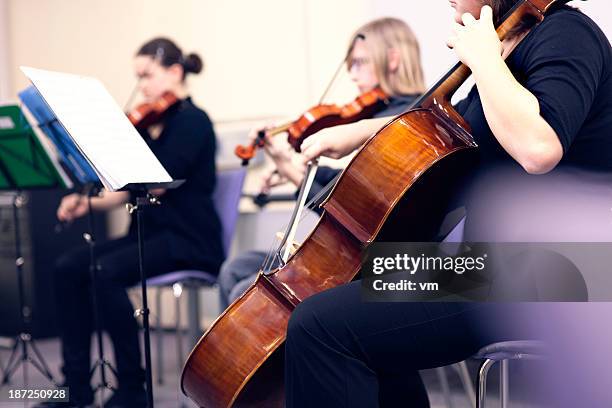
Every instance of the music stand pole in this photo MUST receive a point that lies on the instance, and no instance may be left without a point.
(92, 190)
(144, 199)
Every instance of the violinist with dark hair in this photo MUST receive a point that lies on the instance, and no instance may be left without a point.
(183, 233)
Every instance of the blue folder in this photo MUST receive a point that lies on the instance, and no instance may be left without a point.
(69, 153)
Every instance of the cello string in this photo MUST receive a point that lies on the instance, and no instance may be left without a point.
(287, 241)
(268, 263)
(283, 248)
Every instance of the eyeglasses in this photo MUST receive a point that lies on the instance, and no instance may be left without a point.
(358, 63)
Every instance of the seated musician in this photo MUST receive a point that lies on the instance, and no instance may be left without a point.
(183, 233)
(384, 53)
(548, 106)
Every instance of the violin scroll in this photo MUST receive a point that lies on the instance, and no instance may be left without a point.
(246, 153)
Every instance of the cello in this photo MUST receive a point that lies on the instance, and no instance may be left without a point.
(394, 189)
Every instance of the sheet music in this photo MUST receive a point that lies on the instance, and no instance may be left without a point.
(99, 128)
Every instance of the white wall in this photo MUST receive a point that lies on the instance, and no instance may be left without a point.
(263, 58)
(5, 85)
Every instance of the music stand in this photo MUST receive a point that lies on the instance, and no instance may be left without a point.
(25, 164)
(86, 177)
(119, 155)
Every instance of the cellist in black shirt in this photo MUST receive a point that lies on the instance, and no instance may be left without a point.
(547, 110)
(184, 232)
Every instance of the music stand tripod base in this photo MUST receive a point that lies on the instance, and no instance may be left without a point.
(24, 341)
(91, 190)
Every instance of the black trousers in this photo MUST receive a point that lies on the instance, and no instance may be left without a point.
(118, 260)
(344, 352)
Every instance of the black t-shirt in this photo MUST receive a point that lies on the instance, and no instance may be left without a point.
(186, 148)
(396, 105)
(325, 175)
(566, 62)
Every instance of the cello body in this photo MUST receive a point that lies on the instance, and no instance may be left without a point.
(395, 189)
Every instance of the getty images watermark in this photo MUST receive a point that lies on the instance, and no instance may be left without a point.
(505, 272)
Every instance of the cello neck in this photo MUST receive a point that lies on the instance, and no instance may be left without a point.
(444, 89)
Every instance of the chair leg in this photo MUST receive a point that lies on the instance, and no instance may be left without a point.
(194, 315)
(179, 335)
(504, 383)
(482, 382)
(466, 380)
(444, 385)
(159, 335)
(177, 290)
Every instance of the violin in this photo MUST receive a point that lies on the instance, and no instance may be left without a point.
(319, 117)
(394, 190)
(150, 113)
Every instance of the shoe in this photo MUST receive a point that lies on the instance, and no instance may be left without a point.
(127, 398)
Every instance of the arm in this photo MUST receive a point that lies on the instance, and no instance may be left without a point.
(513, 114)
(290, 170)
(75, 205)
(338, 141)
(281, 152)
(512, 111)
(109, 200)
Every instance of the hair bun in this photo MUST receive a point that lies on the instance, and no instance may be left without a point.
(193, 63)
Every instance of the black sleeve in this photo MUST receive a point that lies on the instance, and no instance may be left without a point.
(462, 105)
(190, 138)
(563, 66)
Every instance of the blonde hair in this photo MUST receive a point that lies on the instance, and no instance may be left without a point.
(380, 36)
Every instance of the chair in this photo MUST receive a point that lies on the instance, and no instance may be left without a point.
(466, 382)
(226, 198)
(570, 286)
(503, 352)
